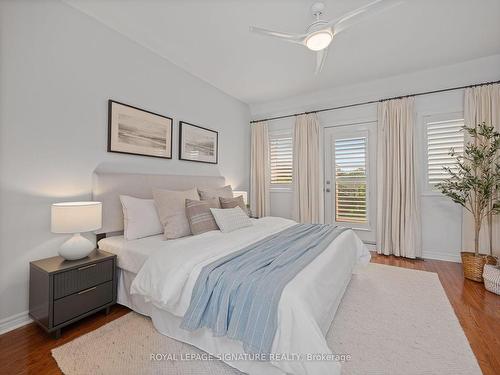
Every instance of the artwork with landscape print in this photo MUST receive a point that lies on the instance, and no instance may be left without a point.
(197, 143)
(136, 131)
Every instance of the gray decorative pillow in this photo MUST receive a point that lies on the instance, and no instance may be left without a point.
(171, 206)
(199, 216)
(208, 193)
(230, 219)
(233, 202)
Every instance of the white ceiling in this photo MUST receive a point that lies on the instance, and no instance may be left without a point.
(211, 40)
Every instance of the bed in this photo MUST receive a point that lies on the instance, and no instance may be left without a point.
(156, 278)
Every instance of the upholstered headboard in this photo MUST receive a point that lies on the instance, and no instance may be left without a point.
(107, 188)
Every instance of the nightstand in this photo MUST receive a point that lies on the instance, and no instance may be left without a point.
(63, 292)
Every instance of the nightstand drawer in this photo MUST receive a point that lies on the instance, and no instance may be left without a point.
(77, 304)
(78, 279)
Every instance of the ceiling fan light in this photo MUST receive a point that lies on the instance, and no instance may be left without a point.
(319, 40)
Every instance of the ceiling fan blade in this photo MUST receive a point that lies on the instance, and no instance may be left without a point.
(293, 38)
(369, 10)
(320, 60)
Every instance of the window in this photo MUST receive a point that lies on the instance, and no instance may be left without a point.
(351, 180)
(442, 136)
(280, 148)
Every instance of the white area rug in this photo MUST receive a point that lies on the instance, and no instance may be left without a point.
(391, 321)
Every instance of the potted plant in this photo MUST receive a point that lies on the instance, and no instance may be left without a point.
(473, 183)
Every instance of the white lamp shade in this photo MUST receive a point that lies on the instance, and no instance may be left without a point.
(237, 193)
(76, 217)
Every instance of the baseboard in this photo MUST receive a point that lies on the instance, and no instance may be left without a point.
(14, 321)
(370, 246)
(437, 255)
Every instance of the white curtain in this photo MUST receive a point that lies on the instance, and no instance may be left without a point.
(481, 104)
(260, 175)
(398, 213)
(307, 185)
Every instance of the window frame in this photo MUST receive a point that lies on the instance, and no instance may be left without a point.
(351, 133)
(429, 189)
(288, 133)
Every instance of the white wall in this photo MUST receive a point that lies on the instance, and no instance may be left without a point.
(441, 224)
(58, 68)
(469, 72)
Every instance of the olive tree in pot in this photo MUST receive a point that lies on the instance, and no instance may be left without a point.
(473, 183)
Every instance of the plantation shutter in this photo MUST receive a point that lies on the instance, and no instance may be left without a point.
(281, 157)
(442, 136)
(351, 180)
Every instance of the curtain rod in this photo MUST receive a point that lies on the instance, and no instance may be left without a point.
(375, 101)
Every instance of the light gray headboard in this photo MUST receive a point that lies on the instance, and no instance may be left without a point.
(107, 188)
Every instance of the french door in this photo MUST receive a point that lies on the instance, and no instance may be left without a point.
(350, 173)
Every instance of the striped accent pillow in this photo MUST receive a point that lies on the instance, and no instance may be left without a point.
(233, 202)
(199, 216)
(230, 219)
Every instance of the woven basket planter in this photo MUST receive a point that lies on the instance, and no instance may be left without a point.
(473, 265)
(491, 276)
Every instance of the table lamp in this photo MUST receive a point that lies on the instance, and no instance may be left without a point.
(76, 217)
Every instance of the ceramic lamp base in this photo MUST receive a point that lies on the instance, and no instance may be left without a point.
(77, 247)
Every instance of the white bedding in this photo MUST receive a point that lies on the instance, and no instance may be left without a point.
(167, 271)
(132, 254)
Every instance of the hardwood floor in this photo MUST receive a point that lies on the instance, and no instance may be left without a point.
(26, 350)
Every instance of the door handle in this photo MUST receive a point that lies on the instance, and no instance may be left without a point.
(86, 267)
(327, 190)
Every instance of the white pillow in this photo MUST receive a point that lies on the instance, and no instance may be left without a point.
(230, 219)
(140, 218)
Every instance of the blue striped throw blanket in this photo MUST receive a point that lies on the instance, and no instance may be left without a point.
(238, 294)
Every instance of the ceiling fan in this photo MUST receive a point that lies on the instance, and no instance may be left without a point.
(320, 33)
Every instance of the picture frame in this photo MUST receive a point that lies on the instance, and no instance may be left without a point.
(136, 131)
(198, 144)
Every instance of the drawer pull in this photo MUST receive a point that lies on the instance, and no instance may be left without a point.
(90, 266)
(87, 290)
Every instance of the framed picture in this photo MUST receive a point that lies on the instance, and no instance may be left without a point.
(198, 144)
(135, 131)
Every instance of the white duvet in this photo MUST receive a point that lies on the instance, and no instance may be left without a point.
(306, 306)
